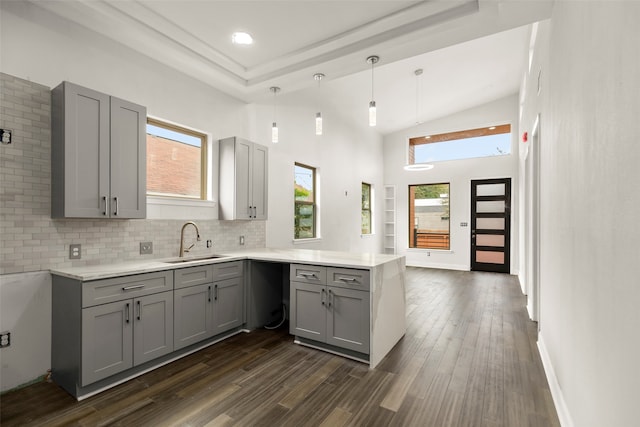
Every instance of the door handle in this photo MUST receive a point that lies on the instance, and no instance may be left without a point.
(209, 293)
(330, 297)
(322, 296)
(139, 310)
(126, 313)
(215, 293)
(115, 199)
(104, 200)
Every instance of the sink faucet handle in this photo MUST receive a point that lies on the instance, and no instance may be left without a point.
(187, 249)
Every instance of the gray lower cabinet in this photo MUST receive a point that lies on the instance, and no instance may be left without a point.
(104, 327)
(123, 334)
(335, 314)
(209, 300)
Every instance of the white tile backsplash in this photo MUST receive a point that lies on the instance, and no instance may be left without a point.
(31, 241)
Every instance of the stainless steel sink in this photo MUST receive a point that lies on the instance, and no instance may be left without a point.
(202, 258)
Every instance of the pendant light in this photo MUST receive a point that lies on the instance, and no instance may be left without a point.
(418, 73)
(372, 104)
(317, 77)
(274, 127)
(418, 166)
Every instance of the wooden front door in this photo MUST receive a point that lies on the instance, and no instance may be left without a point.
(491, 225)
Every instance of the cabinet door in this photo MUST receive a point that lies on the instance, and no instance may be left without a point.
(259, 178)
(228, 306)
(308, 312)
(243, 176)
(128, 160)
(80, 152)
(107, 340)
(348, 319)
(153, 327)
(193, 314)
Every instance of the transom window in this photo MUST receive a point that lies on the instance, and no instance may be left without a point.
(304, 188)
(429, 212)
(176, 161)
(366, 209)
(466, 144)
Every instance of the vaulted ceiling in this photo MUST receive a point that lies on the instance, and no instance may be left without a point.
(472, 51)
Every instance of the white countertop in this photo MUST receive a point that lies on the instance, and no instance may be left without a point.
(301, 256)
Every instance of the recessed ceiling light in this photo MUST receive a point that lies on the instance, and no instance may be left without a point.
(427, 137)
(492, 128)
(241, 38)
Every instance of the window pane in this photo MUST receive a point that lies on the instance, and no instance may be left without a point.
(366, 196)
(304, 221)
(490, 223)
(490, 206)
(490, 190)
(304, 181)
(174, 161)
(366, 222)
(490, 240)
(490, 257)
(464, 144)
(304, 205)
(429, 216)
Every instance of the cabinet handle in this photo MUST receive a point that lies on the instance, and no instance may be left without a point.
(347, 279)
(215, 293)
(139, 310)
(330, 297)
(209, 293)
(104, 200)
(322, 296)
(129, 288)
(116, 200)
(255, 212)
(126, 313)
(307, 275)
(250, 210)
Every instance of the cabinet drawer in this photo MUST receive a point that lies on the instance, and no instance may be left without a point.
(348, 278)
(227, 270)
(308, 274)
(192, 276)
(119, 288)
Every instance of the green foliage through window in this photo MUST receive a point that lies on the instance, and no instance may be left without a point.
(304, 202)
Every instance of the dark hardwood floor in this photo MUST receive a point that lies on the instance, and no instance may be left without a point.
(469, 358)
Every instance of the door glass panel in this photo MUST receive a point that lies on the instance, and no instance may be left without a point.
(490, 206)
(490, 223)
(490, 190)
(489, 257)
(490, 240)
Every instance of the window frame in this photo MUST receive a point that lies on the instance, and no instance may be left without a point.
(312, 203)
(363, 209)
(204, 157)
(411, 219)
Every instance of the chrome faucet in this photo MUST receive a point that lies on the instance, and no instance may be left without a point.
(182, 248)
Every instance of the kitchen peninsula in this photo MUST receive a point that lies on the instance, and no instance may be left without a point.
(357, 300)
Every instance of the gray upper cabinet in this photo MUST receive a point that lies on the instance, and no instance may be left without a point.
(98, 156)
(243, 179)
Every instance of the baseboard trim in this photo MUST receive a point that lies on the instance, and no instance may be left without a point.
(556, 392)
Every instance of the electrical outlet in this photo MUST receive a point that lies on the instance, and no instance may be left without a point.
(241, 240)
(5, 339)
(75, 251)
(5, 135)
(146, 248)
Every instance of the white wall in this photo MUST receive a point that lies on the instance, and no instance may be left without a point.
(590, 204)
(345, 156)
(459, 174)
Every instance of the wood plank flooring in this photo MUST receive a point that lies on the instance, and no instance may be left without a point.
(469, 358)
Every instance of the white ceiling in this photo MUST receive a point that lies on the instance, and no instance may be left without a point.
(295, 39)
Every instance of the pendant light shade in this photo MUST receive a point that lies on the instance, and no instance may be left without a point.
(317, 77)
(372, 104)
(274, 126)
